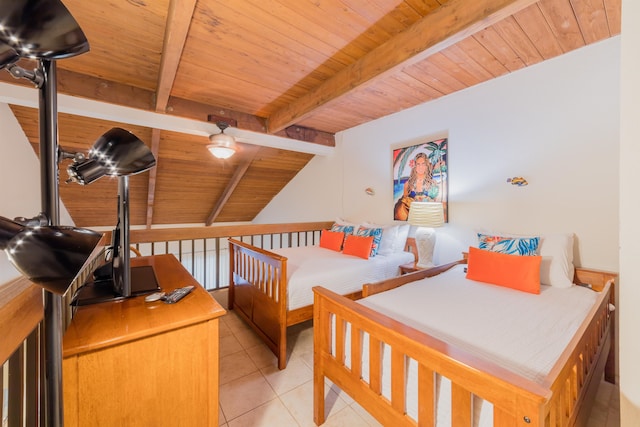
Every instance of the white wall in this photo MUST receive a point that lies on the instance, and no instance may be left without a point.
(629, 290)
(315, 194)
(20, 178)
(556, 124)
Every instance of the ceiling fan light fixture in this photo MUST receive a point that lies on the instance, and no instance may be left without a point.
(222, 145)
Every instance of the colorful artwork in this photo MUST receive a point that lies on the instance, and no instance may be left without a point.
(420, 173)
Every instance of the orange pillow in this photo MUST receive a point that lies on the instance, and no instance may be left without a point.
(331, 240)
(518, 272)
(359, 246)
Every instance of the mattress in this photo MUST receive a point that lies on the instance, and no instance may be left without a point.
(524, 333)
(309, 266)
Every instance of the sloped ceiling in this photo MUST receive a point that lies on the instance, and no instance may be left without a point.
(286, 74)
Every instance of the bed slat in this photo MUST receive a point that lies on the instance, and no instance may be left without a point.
(461, 412)
(340, 330)
(375, 365)
(398, 378)
(356, 352)
(426, 396)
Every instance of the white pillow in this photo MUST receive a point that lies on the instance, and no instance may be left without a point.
(401, 238)
(389, 233)
(556, 268)
(556, 250)
(394, 237)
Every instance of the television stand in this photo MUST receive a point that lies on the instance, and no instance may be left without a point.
(138, 363)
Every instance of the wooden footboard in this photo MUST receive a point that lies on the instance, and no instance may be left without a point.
(339, 329)
(258, 294)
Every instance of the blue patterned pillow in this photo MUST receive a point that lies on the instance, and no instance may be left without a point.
(377, 237)
(343, 228)
(509, 245)
(346, 229)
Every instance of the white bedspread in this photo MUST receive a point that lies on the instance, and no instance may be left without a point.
(522, 332)
(309, 266)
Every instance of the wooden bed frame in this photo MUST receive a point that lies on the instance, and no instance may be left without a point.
(563, 399)
(258, 294)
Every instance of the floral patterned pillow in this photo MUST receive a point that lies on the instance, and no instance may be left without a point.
(343, 228)
(509, 245)
(376, 233)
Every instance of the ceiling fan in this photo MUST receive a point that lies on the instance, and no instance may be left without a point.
(222, 145)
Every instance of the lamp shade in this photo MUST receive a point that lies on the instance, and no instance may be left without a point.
(118, 152)
(40, 29)
(426, 214)
(49, 256)
(222, 145)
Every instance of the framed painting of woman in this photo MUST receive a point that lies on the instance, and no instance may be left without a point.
(420, 173)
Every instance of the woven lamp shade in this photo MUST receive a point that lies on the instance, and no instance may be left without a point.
(426, 214)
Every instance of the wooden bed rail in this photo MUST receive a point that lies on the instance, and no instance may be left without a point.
(575, 377)
(386, 285)
(516, 401)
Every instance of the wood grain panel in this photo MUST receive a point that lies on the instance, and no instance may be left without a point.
(562, 20)
(459, 70)
(495, 44)
(133, 59)
(475, 50)
(464, 60)
(438, 78)
(513, 35)
(535, 26)
(592, 19)
(612, 8)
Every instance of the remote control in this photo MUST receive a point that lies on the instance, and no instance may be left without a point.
(177, 294)
(154, 297)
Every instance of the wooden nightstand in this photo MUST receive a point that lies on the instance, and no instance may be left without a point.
(409, 268)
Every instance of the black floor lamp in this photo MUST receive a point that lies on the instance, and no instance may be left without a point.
(44, 30)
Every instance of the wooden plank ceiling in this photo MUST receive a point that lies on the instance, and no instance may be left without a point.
(303, 69)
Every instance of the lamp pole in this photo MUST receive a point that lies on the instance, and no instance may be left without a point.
(52, 338)
(123, 218)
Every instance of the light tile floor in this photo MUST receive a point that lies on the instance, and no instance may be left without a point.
(254, 393)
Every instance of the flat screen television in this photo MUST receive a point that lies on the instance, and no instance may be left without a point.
(116, 279)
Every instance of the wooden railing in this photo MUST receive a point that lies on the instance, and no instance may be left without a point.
(21, 312)
(204, 251)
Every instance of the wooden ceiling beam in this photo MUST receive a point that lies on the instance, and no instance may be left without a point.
(89, 87)
(445, 26)
(85, 86)
(153, 173)
(175, 36)
(241, 169)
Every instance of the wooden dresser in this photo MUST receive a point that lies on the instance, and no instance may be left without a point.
(137, 363)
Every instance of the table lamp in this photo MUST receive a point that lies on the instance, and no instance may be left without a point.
(426, 216)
